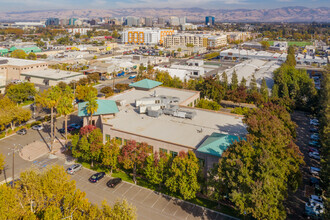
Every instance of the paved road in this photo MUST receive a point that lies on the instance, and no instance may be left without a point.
(150, 205)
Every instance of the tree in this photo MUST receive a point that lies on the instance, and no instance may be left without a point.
(88, 147)
(275, 91)
(156, 168)
(85, 91)
(133, 156)
(77, 35)
(243, 82)
(109, 156)
(65, 107)
(32, 56)
(179, 49)
(115, 34)
(107, 90)
(51, 194)
(224, 80)
(265, 45)
(253, 84)
(122, 86)
(93, 77)
(19, 54)
(12, 114)
(91, 108)
(182, 175)
(234, 81)
(2, 162)
(50, 99)
(189, 45)
(256, 173)
(264, 90)
(20, 92)
(206, 104)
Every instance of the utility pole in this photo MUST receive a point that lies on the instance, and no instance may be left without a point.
(16, 148)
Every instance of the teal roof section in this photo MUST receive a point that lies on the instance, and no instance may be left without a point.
(145, 84)
(217, 143)
(105, 107)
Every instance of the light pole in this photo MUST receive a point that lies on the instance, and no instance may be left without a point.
(16, 148)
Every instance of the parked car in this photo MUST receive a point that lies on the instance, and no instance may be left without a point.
(314, 144)
(114, 182)
(74, 168)
(314, 155)
(22, 132)
(314, 122)
(312, 149)
(61, 130)
(132, 77)
(313, 209)
(76, 126)
(314, 181)
(96, 177)
(314, 170)
(315, 137)
(316, 199)
(37, 127)
(314, 129)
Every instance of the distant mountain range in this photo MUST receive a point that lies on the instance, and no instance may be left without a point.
(287, 14)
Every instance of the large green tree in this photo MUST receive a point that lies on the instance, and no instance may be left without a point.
(52, 195)
(183, 174)
(65, 107)
(156, 168)
(109, 155)
(20, 92)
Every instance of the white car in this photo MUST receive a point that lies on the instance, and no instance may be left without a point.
(316, 199)
(37, 127)
(314, 155)
(315, 170)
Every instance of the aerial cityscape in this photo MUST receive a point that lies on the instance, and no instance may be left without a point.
(165, 110)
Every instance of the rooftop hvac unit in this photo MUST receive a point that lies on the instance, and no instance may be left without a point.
(4, 61)
(154, 113)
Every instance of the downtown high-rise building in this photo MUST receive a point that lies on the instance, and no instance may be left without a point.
(209, 20)
(148, 21)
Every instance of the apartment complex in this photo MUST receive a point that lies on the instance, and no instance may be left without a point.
(209, 41)
(145, 36)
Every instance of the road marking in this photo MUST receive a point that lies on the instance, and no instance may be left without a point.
(156, 201)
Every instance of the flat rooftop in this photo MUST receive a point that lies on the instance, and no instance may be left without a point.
(131, 95)
(20, 62)
(186, 132)
(53, 74)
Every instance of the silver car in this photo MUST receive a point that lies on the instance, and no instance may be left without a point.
(37, 127)
(74, 168)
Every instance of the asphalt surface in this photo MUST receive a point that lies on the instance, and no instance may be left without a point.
(295, 204)
(150, 205)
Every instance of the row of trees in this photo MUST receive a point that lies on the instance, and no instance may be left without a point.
(294, 85)
(177, 174)
(52, 195)
(256, 173)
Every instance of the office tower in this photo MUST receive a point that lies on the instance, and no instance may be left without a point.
(209, 20)
(52, 21)
(148, 22)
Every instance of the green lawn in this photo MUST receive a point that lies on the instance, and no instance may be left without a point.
(292, 43)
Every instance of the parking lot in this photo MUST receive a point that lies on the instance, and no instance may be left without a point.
(149, 204)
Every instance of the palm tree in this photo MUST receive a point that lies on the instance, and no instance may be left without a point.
(65, 107)
(49, 99)
(91, 108)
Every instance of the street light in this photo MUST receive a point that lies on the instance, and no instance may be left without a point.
(17, 148)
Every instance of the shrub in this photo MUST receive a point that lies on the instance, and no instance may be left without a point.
(241, 111)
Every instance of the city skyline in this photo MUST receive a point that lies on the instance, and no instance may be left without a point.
(24, 5)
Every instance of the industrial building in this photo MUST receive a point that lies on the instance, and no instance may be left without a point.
(197, 40)
(27, 49)
(261, 69)
(162, 118)
(281, 57)
(145, 36)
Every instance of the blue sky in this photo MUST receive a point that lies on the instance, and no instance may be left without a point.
(19, 5)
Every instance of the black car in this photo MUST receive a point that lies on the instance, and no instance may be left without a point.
(96, 177)
(61, 130)
(113, 182)
(22, 131)
(313, 129)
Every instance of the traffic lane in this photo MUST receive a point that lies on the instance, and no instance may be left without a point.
(150, 204)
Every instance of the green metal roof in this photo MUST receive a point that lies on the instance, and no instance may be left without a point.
(217, 143)
(105, 107)
(146, 84)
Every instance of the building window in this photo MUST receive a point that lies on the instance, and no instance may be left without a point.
(163, 150)
(107, 138)
(173, 153)
(119, 140)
